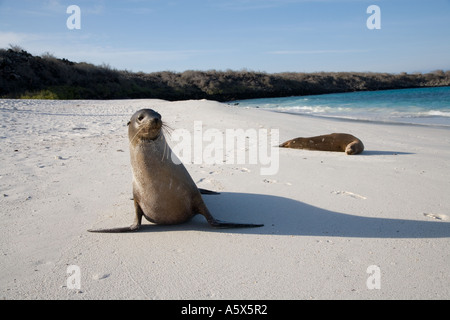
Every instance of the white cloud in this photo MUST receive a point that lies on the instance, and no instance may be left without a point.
(15, 38)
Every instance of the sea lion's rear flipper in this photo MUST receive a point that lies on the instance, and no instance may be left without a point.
(117, 230)
(204, 191)
(203, 210)
(223, 224)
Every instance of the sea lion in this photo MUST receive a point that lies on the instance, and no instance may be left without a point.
(341, 142)
(163, 191)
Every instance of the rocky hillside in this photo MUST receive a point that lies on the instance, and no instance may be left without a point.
(23, 75)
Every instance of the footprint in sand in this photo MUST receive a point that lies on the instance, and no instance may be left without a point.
(100, 276)
(350, 194)
(436, 216)
(276, 182)
(209, 184)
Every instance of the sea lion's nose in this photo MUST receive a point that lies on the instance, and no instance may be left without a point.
(155, 120)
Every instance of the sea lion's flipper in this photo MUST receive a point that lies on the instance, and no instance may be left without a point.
(223, 224)
(204, 191)
(134, 227)
(117, 230)
(203, 210)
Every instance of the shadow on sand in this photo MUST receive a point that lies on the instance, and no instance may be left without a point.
(283, 216)
(383, 153)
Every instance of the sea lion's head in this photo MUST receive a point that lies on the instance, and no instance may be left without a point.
(354, 147)
(144, 125)
(288, 144)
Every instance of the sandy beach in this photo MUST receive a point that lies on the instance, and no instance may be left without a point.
(370, 226)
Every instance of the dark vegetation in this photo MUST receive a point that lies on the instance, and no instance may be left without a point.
(47, 77)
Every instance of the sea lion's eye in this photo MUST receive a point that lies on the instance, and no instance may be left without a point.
(141, 117)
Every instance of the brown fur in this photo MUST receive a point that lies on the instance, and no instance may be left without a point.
(339, 142)
(163, 191)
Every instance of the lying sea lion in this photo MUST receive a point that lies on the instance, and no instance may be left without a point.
(163, 191)
(340, 142)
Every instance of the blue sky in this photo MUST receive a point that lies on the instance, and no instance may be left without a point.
(259, 35)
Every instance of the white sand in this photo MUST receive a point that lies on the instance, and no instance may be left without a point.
(328, 217)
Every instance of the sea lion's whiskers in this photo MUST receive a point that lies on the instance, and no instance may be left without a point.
(143, 126)
(165, 147)
(131, 141)
(166, 129)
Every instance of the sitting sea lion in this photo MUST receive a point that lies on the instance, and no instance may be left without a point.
(341, 142)
(163, 191)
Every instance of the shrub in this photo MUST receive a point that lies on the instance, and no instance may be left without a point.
(47, 77)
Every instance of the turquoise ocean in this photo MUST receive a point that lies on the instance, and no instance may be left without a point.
(422, 106)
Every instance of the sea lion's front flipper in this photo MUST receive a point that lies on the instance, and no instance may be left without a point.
(134, 227)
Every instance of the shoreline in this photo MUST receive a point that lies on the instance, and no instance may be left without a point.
(353, 107)
(394, 123)
(328, 217)
(332, 118)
